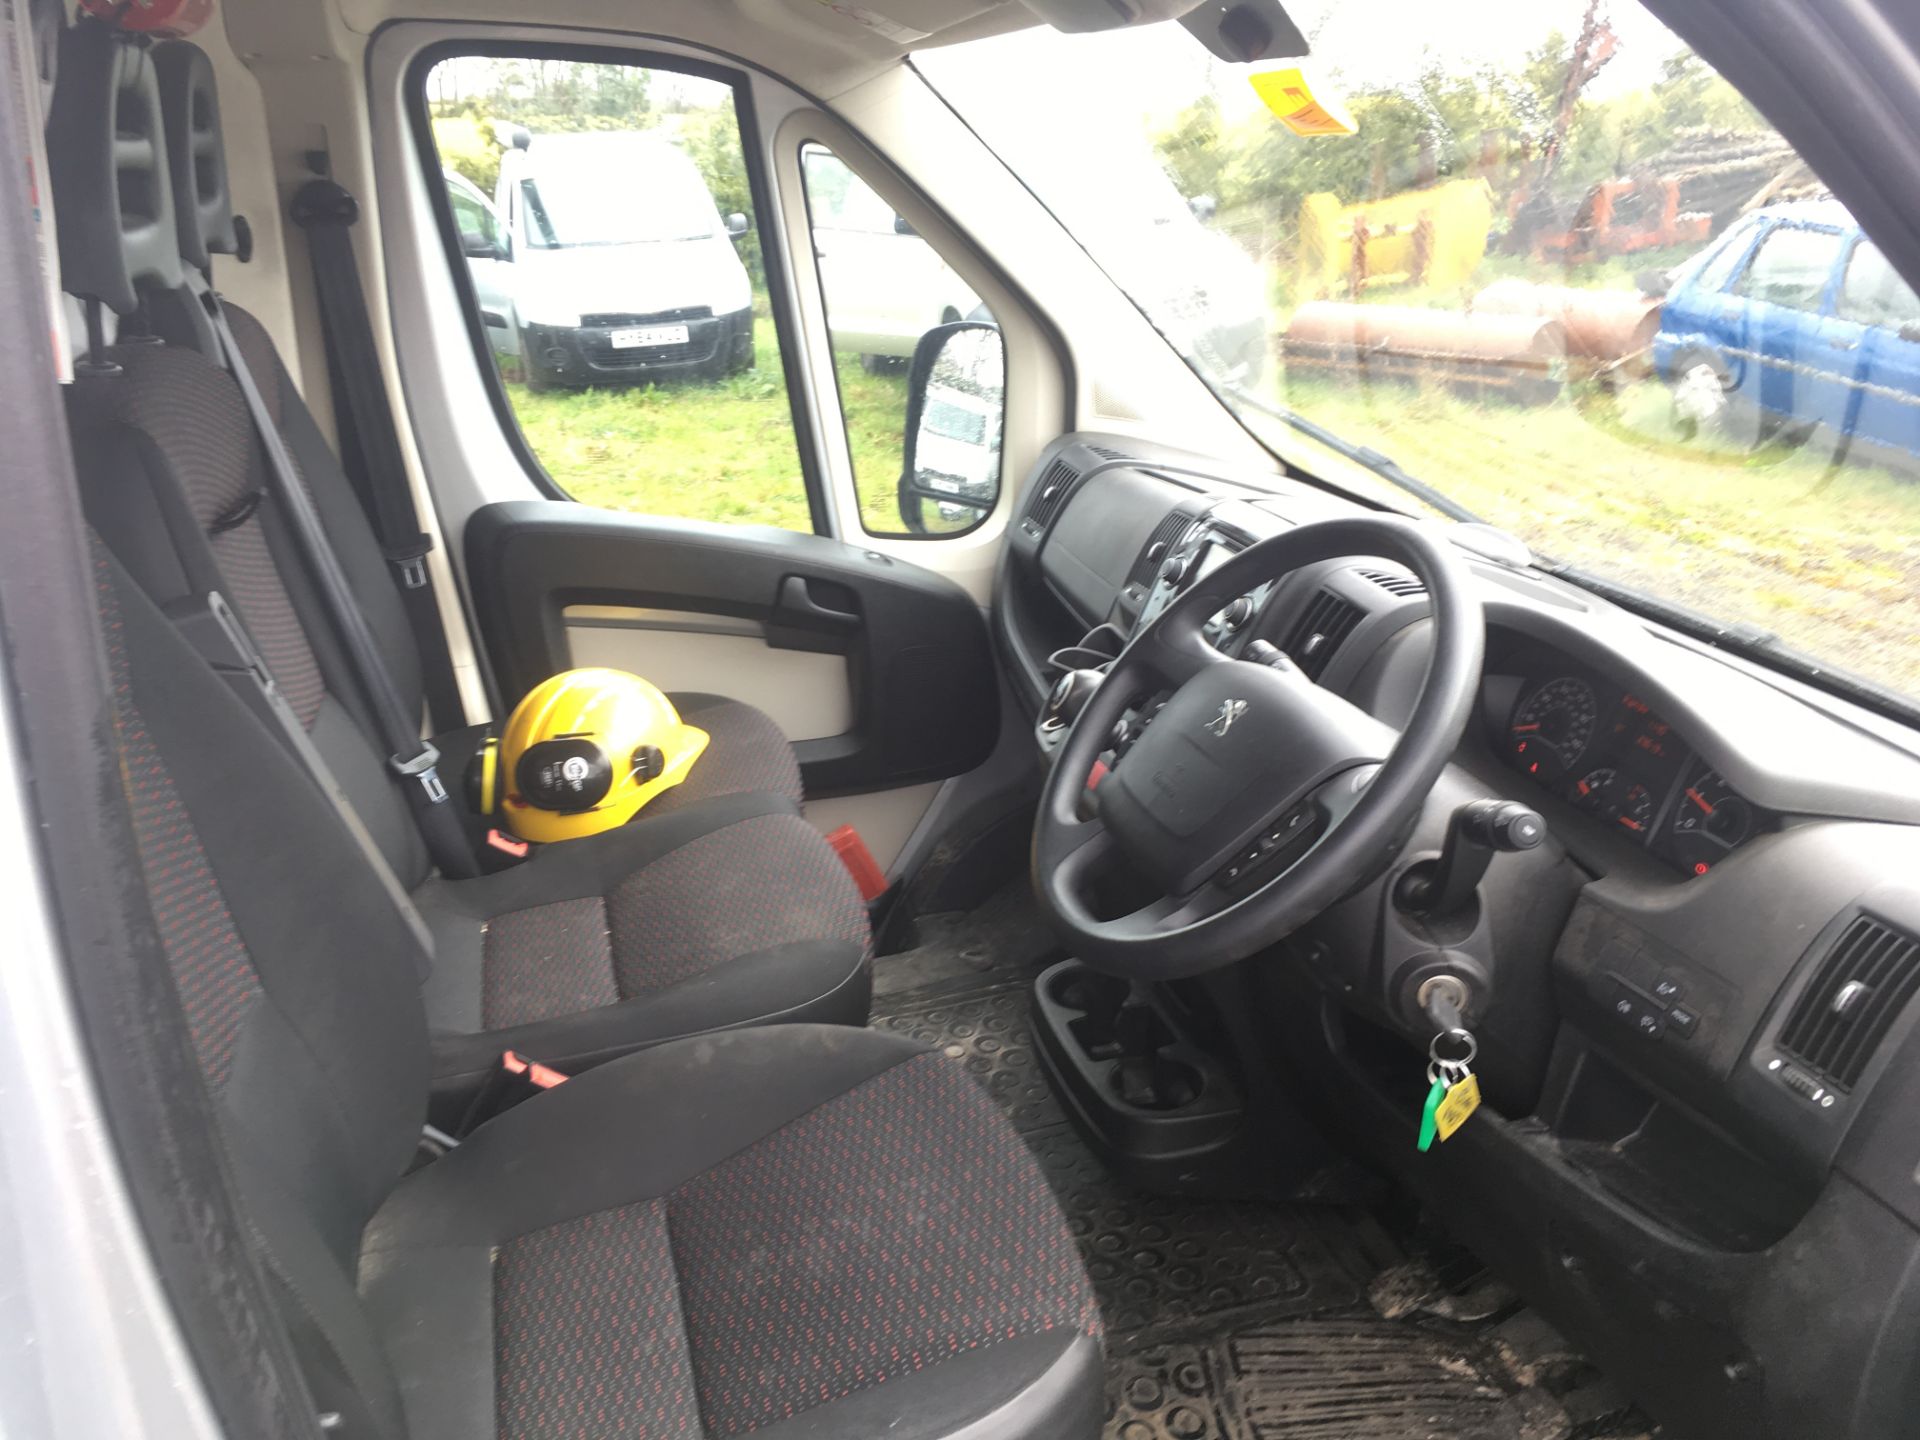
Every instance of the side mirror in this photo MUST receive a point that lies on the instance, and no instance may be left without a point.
(903, 226)
(956, 402)
(1204, 208)
(736, 225)
(476, 246)
(1654, 282)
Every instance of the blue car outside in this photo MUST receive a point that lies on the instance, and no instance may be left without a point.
(1795, 312)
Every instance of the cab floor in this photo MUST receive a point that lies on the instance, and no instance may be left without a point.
(1232, 1320)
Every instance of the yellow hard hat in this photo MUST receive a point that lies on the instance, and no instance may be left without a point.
(581, 753)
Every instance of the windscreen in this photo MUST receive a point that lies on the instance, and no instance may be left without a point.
(1539, 255)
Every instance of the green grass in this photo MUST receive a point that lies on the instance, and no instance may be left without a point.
(719, 450)
(1824, 552)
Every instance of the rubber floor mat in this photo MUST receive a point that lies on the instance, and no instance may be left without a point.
(1225, 1320)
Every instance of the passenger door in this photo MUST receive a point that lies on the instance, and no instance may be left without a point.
(660, 411)
(1885, 310)
(1803, 372)
(489, 254)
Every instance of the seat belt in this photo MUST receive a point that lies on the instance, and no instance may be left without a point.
(208, 624)
(369, 443)
(413, 759)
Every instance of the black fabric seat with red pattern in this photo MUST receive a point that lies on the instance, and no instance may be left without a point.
(719, 908)
(788, 1231)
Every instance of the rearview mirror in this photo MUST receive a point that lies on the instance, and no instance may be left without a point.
(736, 225)
(1653, 282)
(956, 402)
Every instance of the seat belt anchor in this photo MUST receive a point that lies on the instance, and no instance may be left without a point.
(423, 767)
(411, 561)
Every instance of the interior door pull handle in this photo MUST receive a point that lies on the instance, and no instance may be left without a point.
(797, 604)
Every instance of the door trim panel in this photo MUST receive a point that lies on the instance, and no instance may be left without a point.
(919, 664)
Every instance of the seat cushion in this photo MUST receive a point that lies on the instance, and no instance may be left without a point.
(798, 1230)
(733, 912)
(746, 752)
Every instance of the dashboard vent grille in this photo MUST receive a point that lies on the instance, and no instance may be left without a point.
(1107, 452)
(1862, 985)
(1395, 582)
(1326, 622)
(1051, 491)
(1147, 564)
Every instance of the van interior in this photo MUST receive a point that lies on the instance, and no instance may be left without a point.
(984, 718)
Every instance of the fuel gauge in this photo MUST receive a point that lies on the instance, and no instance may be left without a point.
(1708, 823)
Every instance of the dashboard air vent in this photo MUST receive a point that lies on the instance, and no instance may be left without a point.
(1862, 985)
(1395, 582)
(1325, 622)
(1147, 564)
(1050, 492)
(1107, 452)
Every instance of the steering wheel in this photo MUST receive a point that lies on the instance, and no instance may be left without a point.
(1253, 799)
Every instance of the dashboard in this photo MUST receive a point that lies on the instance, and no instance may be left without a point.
(1597, 744)
(1697, 1001)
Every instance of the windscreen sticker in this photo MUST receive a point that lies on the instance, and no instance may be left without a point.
(879, 24)
(1287, 93)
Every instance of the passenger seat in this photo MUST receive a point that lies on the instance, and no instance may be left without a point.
(731, 910)
(796, 1231)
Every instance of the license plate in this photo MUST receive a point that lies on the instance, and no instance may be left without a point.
(648, 335)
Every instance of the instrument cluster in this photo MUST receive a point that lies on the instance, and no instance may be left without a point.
(1602, 748)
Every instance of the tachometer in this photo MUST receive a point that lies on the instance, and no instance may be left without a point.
(1709, 821)
(1552, 727)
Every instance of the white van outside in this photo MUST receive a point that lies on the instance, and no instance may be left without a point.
(623, 271)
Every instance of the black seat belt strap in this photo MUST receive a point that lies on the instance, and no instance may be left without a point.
(412, 758)
(369, 442)
(208, 624)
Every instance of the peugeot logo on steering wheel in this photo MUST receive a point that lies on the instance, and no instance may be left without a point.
(1230, 711)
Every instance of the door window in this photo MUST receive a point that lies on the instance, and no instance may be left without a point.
(885, 288)
(627, 308)
(1791, 267)
(1872, 292)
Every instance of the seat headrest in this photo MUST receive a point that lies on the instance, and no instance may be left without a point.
(107, 161)
(196, 153)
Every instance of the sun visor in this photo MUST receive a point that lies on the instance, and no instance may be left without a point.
(106, 154)
(196, 154)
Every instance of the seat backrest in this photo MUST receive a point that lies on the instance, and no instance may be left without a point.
(297, 978)
(172, 474)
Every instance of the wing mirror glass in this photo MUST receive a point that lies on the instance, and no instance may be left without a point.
(956, 404)
(736, 225)
(476, 246)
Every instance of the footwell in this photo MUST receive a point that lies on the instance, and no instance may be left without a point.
(1235, 1320)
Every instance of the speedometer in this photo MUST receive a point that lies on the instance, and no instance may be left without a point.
(1553, 727)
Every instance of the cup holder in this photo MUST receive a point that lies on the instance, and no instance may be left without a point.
(1157, 1082)
(1090, 991)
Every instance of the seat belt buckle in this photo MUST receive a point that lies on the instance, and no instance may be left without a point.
(411, 562)
(543, 1077)
(515, 1080)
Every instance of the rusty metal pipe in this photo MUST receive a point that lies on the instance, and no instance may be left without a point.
(1602, 325)
(1522, 354)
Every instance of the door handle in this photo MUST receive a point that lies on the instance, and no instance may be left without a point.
(797, 603)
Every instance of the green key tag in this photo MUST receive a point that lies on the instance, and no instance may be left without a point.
(1430, 1113)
